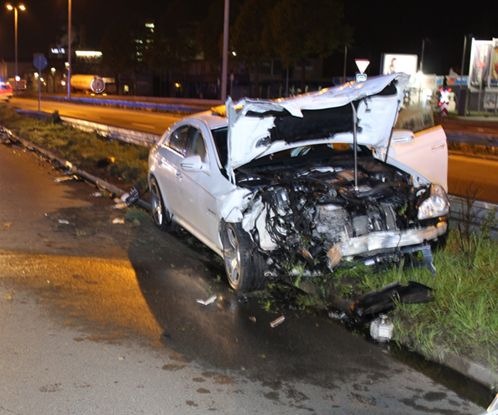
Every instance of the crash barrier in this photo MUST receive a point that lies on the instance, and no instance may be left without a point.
(474, 215)
(180, 105)
(130, 136)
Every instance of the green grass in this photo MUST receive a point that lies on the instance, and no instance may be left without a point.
(116, 161)
(463, 316)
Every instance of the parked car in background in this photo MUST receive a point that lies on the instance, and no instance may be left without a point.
(5, 91)
(311, 182)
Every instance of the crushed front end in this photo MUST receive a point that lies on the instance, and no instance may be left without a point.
(306, 209)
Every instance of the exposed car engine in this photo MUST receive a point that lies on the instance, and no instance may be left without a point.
(310, 204)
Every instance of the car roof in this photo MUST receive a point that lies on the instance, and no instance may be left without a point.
(211, 118)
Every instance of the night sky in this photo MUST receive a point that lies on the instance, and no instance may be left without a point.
(380, 26)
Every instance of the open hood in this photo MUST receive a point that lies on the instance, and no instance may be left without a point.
(261, 127)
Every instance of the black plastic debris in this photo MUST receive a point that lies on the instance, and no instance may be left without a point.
(131, 197)
(380, 302)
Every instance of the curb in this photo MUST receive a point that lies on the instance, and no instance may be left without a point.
(462, 365)
(71, 168)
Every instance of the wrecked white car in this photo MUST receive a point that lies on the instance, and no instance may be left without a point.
(310, 182)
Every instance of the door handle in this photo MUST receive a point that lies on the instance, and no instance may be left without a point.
(436, 146)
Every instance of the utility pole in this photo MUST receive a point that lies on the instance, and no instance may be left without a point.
(224, 69)
(68, 80)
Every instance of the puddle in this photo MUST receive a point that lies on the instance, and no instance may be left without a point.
(461, 385)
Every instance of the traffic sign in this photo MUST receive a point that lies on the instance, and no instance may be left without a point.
(39, 61)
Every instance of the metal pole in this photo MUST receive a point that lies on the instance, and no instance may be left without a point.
(224, 70)
(462, 69)
(15, 45)
(422, 56)
(344, 67)
(68, 80)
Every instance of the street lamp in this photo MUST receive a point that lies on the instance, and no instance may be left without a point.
(16, 9)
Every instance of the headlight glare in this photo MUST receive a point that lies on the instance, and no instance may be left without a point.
(435, 205)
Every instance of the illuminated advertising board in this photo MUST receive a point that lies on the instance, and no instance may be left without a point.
(493, 73)
(397, 62)
(480, 63)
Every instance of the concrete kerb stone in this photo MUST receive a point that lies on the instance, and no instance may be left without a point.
(71, 168)
(462, 365)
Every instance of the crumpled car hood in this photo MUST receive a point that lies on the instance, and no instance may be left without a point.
(261, 127)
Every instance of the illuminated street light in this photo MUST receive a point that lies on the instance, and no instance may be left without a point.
(16, 9)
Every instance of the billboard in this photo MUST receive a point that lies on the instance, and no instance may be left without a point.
(480, 63)
(398, 62)
(493, 73)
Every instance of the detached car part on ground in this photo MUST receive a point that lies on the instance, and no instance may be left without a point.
(304, 184)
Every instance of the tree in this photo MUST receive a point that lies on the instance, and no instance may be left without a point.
(302, 30)
(118, 50)
(248, 34)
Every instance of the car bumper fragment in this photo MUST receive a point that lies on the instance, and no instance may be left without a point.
(377, 241)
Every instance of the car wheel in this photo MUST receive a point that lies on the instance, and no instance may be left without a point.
(244, 265)
(160, 214)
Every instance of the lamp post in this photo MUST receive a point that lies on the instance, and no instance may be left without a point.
(224, 66)
(16, 9)
(68, 80)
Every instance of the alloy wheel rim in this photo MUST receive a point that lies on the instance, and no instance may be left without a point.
(232, 256)
(157, 208)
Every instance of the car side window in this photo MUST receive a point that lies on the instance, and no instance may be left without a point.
(178, 140)
(197, 146)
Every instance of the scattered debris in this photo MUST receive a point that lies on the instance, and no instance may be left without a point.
(6, 225)
(379, 302)
(8, 297)
(63, 221)
(277, 321)
(334, 315)
(252, 318)
(130, 197)
(97, 194)
(118, 221)
(210, 300)
(120, 205)
(106, 161)
(65, 178)
(381, 328)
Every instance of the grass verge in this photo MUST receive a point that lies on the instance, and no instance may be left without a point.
(120, 163)
(462, 318)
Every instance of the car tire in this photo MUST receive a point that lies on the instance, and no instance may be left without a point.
(244, 265)
(160, 214)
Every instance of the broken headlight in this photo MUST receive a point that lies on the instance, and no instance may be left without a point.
(437, 204)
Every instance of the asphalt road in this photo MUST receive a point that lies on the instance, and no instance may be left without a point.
(467, 176)
(100, 318)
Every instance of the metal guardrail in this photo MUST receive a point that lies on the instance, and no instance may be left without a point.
(181, 105)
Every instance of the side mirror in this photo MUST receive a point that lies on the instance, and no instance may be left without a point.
(193, 164)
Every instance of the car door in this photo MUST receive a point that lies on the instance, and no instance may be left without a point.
(170, 154)
(426, 154)
(199, 185)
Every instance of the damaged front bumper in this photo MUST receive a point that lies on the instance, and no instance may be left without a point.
(382, 241)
